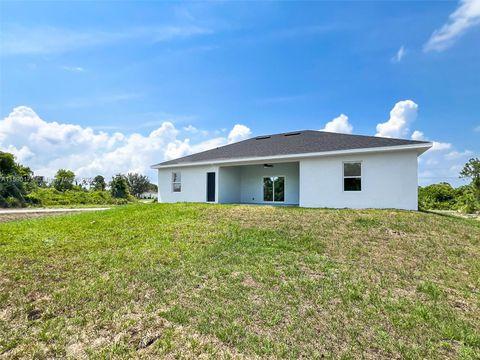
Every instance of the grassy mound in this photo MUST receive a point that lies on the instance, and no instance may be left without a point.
(240, 281)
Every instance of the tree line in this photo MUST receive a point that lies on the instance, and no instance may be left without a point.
(443, 196)
(19, 187)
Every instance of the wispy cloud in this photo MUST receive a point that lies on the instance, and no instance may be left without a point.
(458, 154)
(73, 68)
(477, 129)
(45, 40)
(466, 16)
(399, 55)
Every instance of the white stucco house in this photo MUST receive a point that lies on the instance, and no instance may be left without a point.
(148, 195)
(305, 168)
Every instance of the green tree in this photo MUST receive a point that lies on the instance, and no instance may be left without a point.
(13, 180)
(7, 164)
(119, 186)
(138, 183)
(471, 170)
(40, 181)
(99, 183)
(64, 180)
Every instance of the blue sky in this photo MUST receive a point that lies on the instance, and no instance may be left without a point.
(130, 68)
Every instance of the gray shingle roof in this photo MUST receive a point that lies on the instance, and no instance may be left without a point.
(298, 142)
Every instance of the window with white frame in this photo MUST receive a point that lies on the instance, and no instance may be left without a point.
(352, 176)
(176, 182)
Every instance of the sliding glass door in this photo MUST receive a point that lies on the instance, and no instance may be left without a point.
(274, 189)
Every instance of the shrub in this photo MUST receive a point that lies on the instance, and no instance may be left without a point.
(468, 204)
(12, 189)
(53, 197)
(444, 197)
(12, 202)
(437, 196)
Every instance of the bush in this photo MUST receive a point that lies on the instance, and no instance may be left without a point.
(11, 202)
(437, 196)
(12, 194)
(468, 203)
(53, 197)
(444, 197)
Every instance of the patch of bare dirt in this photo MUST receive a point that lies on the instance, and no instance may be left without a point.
(248, 281)
(18, 216)
(475, 216)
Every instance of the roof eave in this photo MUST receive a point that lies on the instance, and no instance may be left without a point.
(421, 148)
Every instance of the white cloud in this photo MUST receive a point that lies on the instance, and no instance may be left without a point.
(418, 135)
(193, 130)
(48, 146)
(439, 146)
(46, 40)
(21, 154)
(441, 163)
(436, 145)
(220, 131)
(73, 68)
(466, 16)
(399, 55)
(458, 154)
(190, 128)
(401, 116)
(239, 133)
(339, 125)
(477, 129)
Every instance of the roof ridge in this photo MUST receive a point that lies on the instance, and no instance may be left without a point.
(374, 136)
(333, 133)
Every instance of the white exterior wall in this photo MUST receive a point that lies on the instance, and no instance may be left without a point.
(251, 187)
(229, 185)
(194, 184)
(234, 184)
(389, 180)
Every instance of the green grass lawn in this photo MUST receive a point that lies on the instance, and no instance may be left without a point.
(240, 282)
